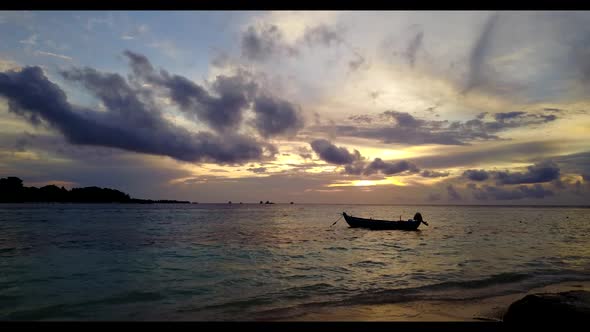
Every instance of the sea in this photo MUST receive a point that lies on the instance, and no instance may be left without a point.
(252, 262)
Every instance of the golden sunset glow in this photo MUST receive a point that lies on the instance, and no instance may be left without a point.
(330, 106)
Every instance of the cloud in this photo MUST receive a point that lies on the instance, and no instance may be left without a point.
(413, 48)
(453, 194)
(475, 155)
(476, 175)
(409, 130)
(32, 40)
(221, 113)
(323, 34)
(275, 117)
(136, 32)
(261, 43)
(477, 67)
(264, 42)
(541, 172)
(224, 111)
(546, 171)
(55, 55)
(130, 122)
(257, 170)
(304, 152)
(403, 119)
(6, 65)
(509, 115)
(578, 163)
(358, 62)
(490, 192)
(361, 118)
(400, 135)
(389, 168)
(355, 168)
(433, 174)
(330, 153)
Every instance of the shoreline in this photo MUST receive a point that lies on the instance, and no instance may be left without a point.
(477, 310)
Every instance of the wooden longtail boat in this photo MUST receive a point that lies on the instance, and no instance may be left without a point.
(409, 225)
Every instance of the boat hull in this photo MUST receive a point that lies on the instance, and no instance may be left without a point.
(373, 224)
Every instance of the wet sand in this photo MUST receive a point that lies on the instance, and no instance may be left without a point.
(486, 309)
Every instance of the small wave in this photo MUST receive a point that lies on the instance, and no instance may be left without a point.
(468, 289)
(46, 312)
(367, 263)
(235, 305)
(130, 297)
(337, 248)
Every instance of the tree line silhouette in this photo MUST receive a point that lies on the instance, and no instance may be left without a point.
(13, 191)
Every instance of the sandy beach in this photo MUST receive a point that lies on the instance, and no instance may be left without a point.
(485, 309)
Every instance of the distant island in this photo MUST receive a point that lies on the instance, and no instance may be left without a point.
(13, 191)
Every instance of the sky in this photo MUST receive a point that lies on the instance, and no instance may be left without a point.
(388, 107)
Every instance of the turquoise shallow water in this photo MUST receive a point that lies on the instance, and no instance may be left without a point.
(257, 262)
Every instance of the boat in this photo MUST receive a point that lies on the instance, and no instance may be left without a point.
(374, 224)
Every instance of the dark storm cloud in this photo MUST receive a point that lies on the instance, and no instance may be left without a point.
(222, 112)
(117, 96)
(276, 117)
(508, 115)
(541, 172)
(413, 48)
(453, 194)
(140, 65)
(129, 123)
(491, 192)
(477, 69)
(476, 175)
(389, 168)
(355, 168)
(332, 154)
(481, 115)
(409, 130)
(403, 119)
(578, 163)
(433, 174)
(233, 96)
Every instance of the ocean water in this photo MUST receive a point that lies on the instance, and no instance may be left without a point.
(264, 262)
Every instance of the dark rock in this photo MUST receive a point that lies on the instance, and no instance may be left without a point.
(550, 308)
